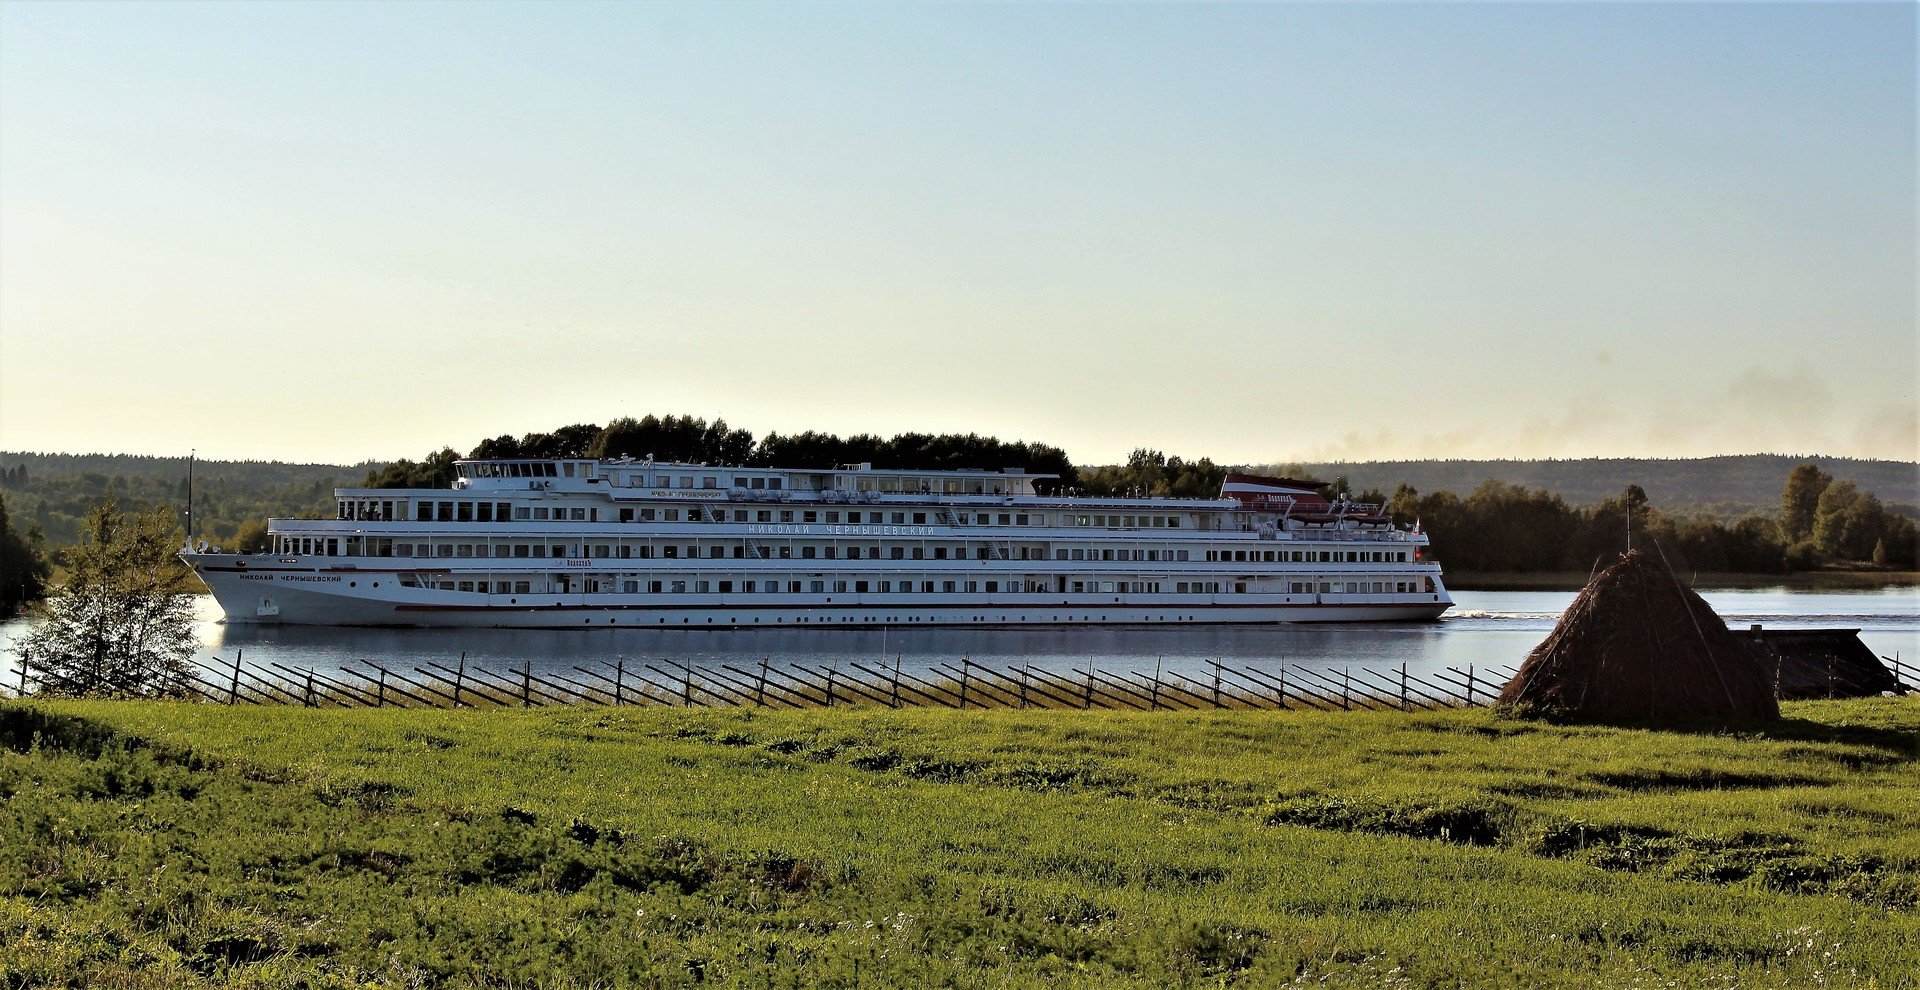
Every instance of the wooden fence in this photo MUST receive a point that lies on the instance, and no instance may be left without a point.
(961, 684)
(958, 684)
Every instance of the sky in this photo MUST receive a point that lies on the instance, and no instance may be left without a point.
(1261, 233)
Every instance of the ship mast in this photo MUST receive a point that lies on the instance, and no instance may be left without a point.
(190, 453)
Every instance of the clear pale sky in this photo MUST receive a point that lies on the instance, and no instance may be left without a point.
(1259, 233)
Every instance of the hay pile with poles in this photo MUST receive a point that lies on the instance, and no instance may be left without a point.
(1638, 646)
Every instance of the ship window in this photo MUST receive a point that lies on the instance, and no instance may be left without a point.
(773, 483)
(579, 513)
(485, 513)
(522, 551)
(993, 586)
(567, 469)
(541, 513)
(834, 517)
(816, 587)
(809, 516)
(886, 586)
(807, 553)
(686, 481)
(899, 552)
(759, 483)
(670, 552)
(700, 587)
(446, 512)
(747, 586)
(403, 550)
(520, 512)
(653, 587)
(762, 515)
(726, 586)
(709, 481)
(939, 553)
(678, 587)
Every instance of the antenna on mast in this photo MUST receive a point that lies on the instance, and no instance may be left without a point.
(1626, 500)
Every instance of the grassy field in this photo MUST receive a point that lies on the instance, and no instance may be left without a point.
(149, 844)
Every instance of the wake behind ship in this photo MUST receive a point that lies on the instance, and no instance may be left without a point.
(572, 543)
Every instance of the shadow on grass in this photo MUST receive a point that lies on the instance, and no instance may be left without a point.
(1894, 745)
(24, 728)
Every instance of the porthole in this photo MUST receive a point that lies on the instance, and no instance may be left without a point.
(510, 601)
(376, 584)
(353, 584)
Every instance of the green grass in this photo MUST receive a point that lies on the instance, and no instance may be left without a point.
(150, 844)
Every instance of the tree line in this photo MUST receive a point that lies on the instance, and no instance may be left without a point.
(695, 440)
(1503, 527)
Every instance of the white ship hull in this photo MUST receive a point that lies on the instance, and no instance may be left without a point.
(343, 600)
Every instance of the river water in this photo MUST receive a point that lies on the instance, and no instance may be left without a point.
(1484, 629)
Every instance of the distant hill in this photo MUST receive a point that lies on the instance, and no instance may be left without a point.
(57, 490)
(1729, 486)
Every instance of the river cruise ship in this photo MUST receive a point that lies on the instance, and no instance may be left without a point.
(572, 543)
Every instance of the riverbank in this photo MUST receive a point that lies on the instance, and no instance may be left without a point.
(1007, 849)
(1850, 580)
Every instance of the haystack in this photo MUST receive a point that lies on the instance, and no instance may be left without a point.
(1638, 646)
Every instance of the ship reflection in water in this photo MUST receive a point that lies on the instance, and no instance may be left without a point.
(1487, 629)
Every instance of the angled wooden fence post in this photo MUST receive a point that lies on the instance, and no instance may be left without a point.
(686, 684)
(1154, 703)
(382, 696)
(23, 673)
(1403, 685)
(1087, 705)
(760, 687)
(1023, 686)
(1283, 685)
(1346, 689)
(309, 689)
(1469, 685)
(830, 672)
(526, 683)
(896, 681)
(459, 678)
(233, 686)
(963, 683)
(619, 681)
(1216, 682)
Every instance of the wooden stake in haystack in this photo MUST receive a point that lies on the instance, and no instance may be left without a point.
(1638, 646)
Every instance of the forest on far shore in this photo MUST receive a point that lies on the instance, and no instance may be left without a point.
(1759, 513)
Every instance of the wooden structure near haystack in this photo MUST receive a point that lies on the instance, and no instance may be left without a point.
(1820, 663)
(1638, 646)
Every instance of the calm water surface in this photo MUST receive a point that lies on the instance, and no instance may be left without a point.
(1484, 629)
